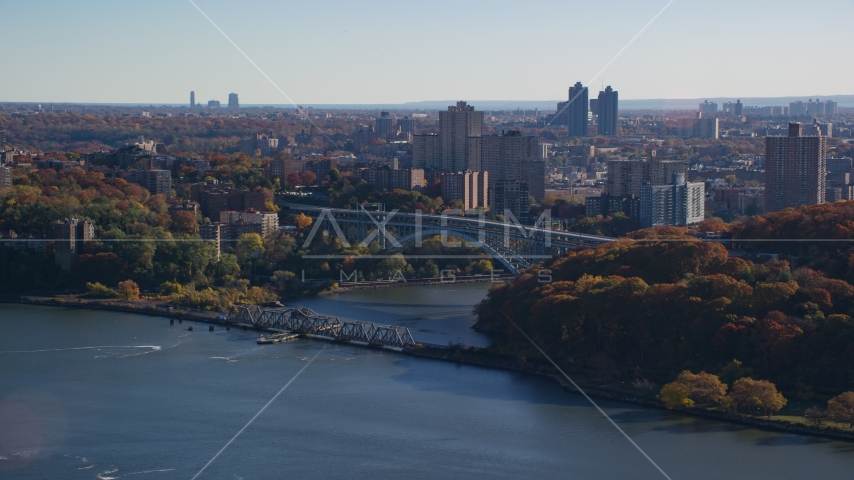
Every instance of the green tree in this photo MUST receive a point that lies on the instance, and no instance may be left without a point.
(249, 247)
(285, 282)
(96, 290)
(733, 371)
(483, 266)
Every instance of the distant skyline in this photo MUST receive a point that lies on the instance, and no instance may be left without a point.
(383, 52)
(844, 101)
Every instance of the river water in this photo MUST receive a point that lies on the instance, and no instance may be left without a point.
(98, 395)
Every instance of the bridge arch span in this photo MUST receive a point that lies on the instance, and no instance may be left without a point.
(471, 240)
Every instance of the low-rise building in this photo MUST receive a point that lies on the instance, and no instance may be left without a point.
(157, 182)
(214, 198)
(185, 206)
(268, 221)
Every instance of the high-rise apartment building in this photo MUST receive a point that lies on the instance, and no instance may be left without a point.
(699, 127)
(795, 169)
(5, 176)
(830, 107)
(798, 108)
(511, 196)
(384, 125)
(534, 173)
(456, 125)
(677, 204)
(406, 125)
(160, 183)
(427, 151)
(213, 232)
(70, 235)
(510, 155)
(816, 108)
(573, 113)
(213, 104)
(708, 107)
(192, 99)
(608, 110)
(233, 102)
(468, 187)
(816, 129)
(736, 108)
(708, 128)
(594, 106)
(626, 177)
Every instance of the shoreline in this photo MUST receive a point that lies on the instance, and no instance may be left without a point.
(354, 286)
(447, 354)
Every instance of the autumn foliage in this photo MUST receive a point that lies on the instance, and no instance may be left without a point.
(670, 303)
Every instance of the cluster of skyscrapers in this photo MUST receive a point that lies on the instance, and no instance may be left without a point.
(578, 111)
(233, 101)
(810, 107)
(504, 161)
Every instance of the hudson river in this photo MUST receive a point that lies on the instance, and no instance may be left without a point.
(97, 395)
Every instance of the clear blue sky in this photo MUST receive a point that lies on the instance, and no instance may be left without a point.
(346, 51)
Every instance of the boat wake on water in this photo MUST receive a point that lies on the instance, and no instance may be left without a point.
(109, 349)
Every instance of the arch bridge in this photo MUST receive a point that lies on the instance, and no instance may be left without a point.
(516, 247)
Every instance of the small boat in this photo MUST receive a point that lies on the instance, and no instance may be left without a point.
(266, 341)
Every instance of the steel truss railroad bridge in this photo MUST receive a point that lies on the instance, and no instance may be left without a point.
(514, 246)
(306, 321)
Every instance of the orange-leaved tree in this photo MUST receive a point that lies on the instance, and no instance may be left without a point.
(757, 396)
(841, 408)
(128, 289)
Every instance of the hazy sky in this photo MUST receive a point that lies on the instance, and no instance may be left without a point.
(349, 51)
